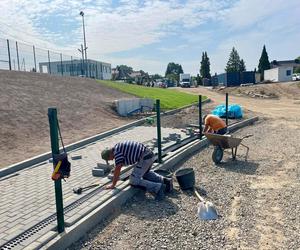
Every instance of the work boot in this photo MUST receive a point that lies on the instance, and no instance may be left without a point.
(169, 184)
(161, 193)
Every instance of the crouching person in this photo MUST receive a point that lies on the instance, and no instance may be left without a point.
(214, 124)
(132, 152)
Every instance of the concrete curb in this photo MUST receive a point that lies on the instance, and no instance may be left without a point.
(44, 157)
(77, 230)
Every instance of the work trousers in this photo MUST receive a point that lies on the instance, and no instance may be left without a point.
(144, 177)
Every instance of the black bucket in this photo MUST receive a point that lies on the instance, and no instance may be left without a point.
(164, 173)
(185, 178)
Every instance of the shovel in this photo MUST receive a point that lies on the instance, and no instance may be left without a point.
(206, 209)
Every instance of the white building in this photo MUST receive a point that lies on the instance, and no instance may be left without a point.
(279, 74)
(89, 68)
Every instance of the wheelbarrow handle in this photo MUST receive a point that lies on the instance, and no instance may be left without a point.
(247, 136)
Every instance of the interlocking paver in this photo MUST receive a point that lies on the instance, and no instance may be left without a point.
(28, 197)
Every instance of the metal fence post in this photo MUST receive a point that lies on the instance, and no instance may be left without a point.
(34, 58)
(8, 51)
(96, 71)
(18, 60)
(200, 117)
(49, 72)
(158, 130)
(71, 69)
(227, 109)
(52, 115)
(61, 65)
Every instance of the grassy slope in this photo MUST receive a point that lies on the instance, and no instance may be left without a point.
(169, 99)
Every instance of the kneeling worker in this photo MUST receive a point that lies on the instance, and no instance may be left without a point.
(132, 152)
(214, 124)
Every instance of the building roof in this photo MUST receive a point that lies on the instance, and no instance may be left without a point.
(292, 63)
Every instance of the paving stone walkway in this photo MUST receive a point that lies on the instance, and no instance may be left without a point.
(27, 196)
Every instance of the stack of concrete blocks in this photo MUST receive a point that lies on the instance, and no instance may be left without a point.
(102, 169)
(189, 131)
(175, 137)
(126, 106)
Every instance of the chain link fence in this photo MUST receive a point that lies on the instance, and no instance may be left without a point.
(19, 56)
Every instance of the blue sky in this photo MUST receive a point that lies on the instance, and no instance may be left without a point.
(149, 34)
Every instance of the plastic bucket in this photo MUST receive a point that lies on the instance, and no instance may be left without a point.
(185, 178)
(164, 173)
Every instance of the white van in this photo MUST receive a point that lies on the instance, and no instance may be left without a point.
(296, 77)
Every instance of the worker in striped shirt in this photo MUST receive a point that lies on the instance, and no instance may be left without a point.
(131, 152)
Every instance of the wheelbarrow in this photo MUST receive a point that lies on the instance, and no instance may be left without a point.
(222, 142)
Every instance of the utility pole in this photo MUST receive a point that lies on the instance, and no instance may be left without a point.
(82, 63)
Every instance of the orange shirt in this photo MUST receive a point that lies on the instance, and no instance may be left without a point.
(215, 122)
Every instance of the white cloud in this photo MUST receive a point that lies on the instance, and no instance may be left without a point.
(134, 24)
(245, 13)
(130, 25)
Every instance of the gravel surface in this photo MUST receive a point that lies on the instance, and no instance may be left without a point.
(258, 201)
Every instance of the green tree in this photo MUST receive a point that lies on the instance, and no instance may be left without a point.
(264, 62)
(233, 64)
(155, 77)
(173, 70)
(123, 72)
(242, 66)
(205, 66)
(297, 69)
(198, 79)
(172, 77)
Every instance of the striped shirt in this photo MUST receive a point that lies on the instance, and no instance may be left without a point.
(128, 152)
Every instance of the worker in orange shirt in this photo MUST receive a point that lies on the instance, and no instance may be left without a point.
(214, 124)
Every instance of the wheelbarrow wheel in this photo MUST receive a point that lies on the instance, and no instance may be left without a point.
(217, 155)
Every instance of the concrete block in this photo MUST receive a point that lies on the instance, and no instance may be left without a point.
(105, 167)
(76, 157)
(33, 245)
(125, 106)
(102, 169)
(98, 172)
(47, 237)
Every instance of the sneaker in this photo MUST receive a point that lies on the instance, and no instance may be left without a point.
(161, 193)
(169, 184)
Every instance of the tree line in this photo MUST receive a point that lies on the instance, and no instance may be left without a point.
(234, 64)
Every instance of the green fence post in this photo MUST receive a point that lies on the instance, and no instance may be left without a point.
(52, 115)
(8, 53)
(158, 130)
(227, 109)
(49, 63)
(200, 117)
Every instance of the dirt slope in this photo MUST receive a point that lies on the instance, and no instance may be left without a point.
(83, 109)
(284, 107)
(289, 90)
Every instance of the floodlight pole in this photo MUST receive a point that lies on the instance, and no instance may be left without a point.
(84, 41)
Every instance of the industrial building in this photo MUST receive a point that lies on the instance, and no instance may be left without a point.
(88, 68)
(233, 78)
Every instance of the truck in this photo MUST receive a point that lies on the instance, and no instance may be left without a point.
(185, 80)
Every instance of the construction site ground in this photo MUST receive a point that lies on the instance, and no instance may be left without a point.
(258, 200)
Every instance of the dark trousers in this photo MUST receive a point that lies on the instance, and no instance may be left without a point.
(221, 131)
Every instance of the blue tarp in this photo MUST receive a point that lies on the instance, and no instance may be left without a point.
(234, 111)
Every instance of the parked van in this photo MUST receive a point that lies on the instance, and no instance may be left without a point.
(296, 77)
